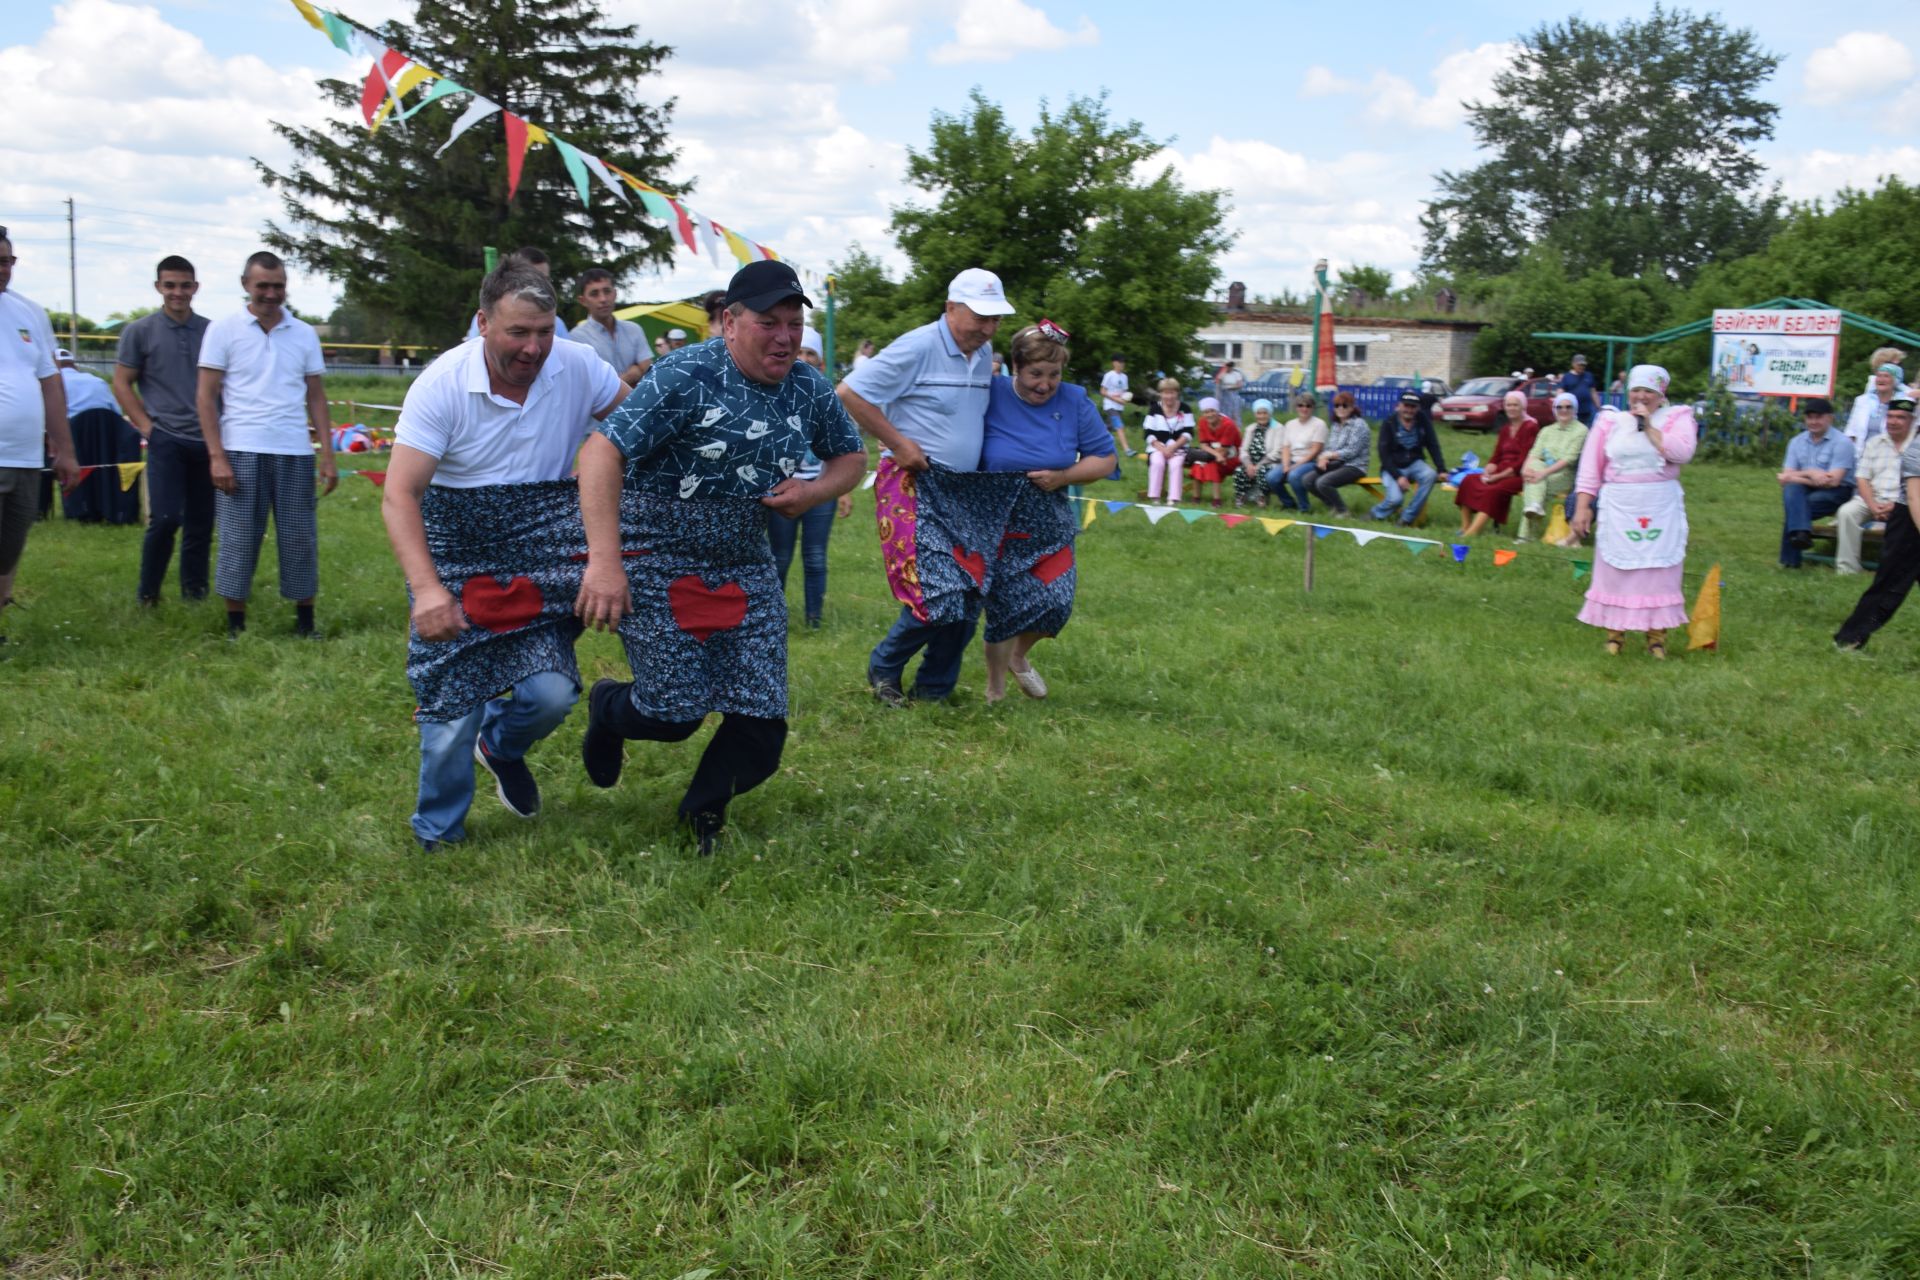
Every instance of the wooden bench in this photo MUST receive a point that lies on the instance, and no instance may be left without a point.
(1826, 534)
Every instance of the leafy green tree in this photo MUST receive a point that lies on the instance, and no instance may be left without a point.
(1123, 262)
(866, 304)
(1375, 282)
(1540, 297)
(1626, 148)
(405, 230)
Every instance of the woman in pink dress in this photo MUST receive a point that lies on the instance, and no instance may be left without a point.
(1631, 467)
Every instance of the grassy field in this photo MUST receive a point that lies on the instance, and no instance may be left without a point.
(1391, 930)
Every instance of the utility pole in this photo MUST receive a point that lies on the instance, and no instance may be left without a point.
(73, 285)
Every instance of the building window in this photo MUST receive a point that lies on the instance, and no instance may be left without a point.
(1223, 351)
(1282, 352)
(1349, 353)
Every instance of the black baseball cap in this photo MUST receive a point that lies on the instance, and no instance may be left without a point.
(764, 285)
(1410, 397)
(1816, 404)
(1901, 402)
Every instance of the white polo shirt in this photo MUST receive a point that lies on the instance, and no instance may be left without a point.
(451, 413)
(263, 400)
(26, 356)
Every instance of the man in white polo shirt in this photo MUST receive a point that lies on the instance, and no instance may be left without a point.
(262, 405)
(925, 399)
(33, 416)
(508, 409)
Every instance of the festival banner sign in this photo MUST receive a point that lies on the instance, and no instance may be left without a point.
(1776, 353)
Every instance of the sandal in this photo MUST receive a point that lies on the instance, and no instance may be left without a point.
(1657, 648)
(1616, 641)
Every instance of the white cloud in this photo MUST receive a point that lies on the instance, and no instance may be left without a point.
(997, 30)
(1459, 78)
(1805, 175)
(1860, 64)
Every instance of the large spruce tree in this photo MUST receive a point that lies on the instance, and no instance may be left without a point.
(405, 232)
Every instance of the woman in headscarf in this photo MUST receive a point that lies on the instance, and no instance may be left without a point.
(1868, 417)
(1218, 448)
(1485, 498)
(1634, 457)
(1260, 450)
(1547, 475)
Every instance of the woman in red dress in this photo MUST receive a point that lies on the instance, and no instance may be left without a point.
(1484, 498)
(1218, 450)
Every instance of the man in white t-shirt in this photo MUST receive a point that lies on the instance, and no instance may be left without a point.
(262, 405)
(509, 408)
(1114, 393)
(33, 415)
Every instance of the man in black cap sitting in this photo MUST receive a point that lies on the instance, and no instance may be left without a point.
(1817, 479)
(707, 445)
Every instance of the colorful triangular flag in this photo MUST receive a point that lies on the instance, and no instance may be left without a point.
(339, 32)
(1231, 520)
(1192, 517)
(1088, 512)
(1460, 553)
(516, 149)
(311, 14)
(1156, 514)
(1703, 632)
(1321, 530)
(412, 78)
(1117, 506)
(1273, 526)
(379, 478)
(1503, 558)
(379, 85)
(599, 168)
(1416, 547)
(129, 472)
(1581, 568)
(576, 167)
(1363, 536)
(477, 110)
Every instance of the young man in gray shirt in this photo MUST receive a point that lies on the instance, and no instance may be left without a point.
(621, 343)
(155, 377)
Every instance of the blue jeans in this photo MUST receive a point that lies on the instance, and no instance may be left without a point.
(1423, 476)
(1802, 504)
(811, 530)
(1115, 423)
(510, 727)
(946, 646)
(1298, 481)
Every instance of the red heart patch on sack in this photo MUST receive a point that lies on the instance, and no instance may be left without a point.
(974, 563)
(1053, 566)
(501, 606)
(701, 610)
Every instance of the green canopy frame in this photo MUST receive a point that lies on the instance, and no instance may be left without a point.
(1879, 328)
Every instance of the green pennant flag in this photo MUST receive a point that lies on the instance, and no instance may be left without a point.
(1415, 547)
(657, 207)
(439, 89)
(576, 168)
(1191, 516)
(337, 31)
(1581, 568)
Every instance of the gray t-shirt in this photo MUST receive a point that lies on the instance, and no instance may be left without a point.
(1909, 468)
(165, 359)
(625, 347)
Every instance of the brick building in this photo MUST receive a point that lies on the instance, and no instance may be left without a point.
(1365, 347)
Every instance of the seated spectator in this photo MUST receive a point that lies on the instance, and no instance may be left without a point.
(1818, 478)
(1344, 459)
(1404, 437)
(1259, 452)
(1547, 475)
(101, 438)
(84, 390)
(1876, 481)
(1868, 416)
(1301, 441)
(1487, 497)
(1168, 429)
(1218, 448)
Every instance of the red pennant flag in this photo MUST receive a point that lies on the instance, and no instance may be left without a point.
(84, 473)
(686, 224)
(379, 478)
(379, 83)
(1504, 558)
(516, 150)
(765, 252)
(1231, 521)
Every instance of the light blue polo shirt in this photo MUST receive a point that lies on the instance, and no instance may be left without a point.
(1834, 451)
(935, 396)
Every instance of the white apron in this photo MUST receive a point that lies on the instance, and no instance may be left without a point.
(1642, 525)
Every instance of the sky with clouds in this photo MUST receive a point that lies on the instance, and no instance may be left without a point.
(1325, 127)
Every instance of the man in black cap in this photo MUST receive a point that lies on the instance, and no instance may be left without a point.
(1817, 479)
(707, 445)
(1900, 553)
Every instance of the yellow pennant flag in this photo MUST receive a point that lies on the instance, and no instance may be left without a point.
(1086, 517)
(1704, 631)
(741, 253)
(129, 472)
(311, 14)
(535, 134)
(412, 78)
(1273, 526)
(1557, 530)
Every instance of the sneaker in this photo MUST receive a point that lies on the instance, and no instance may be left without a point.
(1133, 453)
(1030, 682)
(512, 781)
(602, 750)
(705, 827)
(886, 691)
(1800, 539)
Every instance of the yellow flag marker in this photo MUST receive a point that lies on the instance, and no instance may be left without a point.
(1557, 530)
(1086, 517)
(1704, 631)
(129, 472)
(1273, 526)
(311, 14)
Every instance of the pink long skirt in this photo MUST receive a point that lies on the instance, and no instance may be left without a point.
(1635, 599)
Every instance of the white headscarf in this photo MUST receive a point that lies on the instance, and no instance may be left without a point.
(1648, 377)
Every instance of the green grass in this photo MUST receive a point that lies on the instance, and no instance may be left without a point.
(1390, 930)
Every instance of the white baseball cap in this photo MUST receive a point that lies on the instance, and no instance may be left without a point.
(980, 291)
(810, 341)
(677, 333)
(61, 353)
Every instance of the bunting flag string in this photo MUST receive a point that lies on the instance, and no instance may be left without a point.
(392, 76)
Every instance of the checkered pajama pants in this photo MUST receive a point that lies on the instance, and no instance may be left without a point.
(279, 484)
